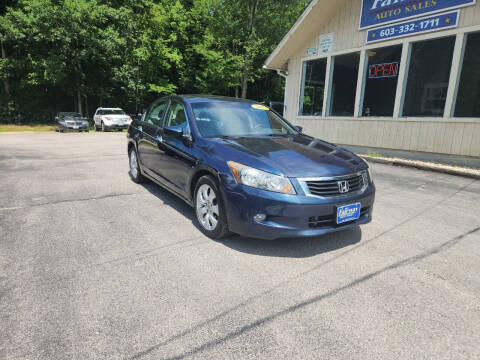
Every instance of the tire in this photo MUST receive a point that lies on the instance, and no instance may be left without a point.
(95, 127)
(209, 209)
(135, 172)
(103, 127)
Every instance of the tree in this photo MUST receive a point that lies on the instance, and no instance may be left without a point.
(65, 54)
(248, 30)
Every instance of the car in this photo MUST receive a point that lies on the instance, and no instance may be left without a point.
(71, 121)
(246, 170)
(106, 119)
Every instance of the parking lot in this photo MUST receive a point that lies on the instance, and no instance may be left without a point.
(94, 266)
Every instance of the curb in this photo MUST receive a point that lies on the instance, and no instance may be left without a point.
(445, 169)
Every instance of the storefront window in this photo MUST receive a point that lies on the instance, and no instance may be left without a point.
(313, 86)
(468, 97)
(381, 81)
(428, 77)
(344, 84)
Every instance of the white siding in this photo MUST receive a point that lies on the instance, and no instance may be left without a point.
(439, 135)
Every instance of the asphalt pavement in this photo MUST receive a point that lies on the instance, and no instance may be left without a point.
(94, 266)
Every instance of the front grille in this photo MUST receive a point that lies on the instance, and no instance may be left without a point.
(330, 221)
(331, 187)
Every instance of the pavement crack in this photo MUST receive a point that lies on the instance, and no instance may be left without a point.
(102, 197)
(269, 318)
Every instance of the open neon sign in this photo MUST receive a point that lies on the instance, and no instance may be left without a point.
(385, 70)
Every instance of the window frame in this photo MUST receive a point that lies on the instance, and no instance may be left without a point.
(153, 106)
(462, 38)
(328, 110)
(407, 70)
(460, 34)
(364, 69)
(188, 129)
(302, 85)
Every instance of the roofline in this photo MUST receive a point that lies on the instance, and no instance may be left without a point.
(290, 33)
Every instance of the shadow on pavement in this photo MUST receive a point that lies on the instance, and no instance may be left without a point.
(294, 248)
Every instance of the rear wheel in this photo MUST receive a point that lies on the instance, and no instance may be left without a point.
(135, 172)
(209, 209)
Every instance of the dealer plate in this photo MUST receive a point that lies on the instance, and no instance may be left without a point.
(348, 213)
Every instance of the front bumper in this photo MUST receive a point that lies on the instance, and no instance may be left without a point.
(289, 215)
(73, 127)
(116, 126)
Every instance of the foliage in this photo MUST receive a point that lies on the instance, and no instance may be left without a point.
(80, 54)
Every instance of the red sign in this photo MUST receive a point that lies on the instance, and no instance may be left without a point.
(385, 70)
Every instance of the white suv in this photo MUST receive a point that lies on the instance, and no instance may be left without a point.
(111, 119)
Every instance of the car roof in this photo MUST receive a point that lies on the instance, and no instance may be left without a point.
(104, 108)
(192, 98)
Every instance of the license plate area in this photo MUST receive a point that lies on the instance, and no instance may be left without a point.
(347, 213)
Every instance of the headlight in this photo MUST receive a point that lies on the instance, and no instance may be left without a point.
(106, 118)
(260, 179)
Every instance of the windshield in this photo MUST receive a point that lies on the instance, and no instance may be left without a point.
(69, 114)
(114, 112)
(234, 119)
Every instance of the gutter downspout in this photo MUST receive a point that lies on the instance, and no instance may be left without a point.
(284, 74)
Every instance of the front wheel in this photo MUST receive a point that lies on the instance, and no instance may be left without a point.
(135, 172)
(209, 209)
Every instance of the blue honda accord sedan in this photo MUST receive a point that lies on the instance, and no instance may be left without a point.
(246, 170)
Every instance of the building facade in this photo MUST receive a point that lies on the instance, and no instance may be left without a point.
(391, 74)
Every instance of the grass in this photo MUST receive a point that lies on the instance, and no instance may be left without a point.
(374, 154)
(25, 128)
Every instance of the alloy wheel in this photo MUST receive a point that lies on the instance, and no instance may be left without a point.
(207, 207)
(133, 164)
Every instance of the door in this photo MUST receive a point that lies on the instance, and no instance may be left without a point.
(149, 130)
(176, 155)
(96, 117)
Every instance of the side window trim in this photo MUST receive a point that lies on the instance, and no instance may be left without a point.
(172, 103)
(164, 116)
(152, 107)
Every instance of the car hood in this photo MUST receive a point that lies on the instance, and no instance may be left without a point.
(295, 156)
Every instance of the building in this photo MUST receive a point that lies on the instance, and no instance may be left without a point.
(386, 74)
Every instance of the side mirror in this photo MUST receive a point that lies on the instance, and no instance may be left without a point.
(175, 131)
(57, 118)
(298, 128)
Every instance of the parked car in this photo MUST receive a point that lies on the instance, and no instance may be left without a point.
(110, 119)
(71, 121)
(247, 170)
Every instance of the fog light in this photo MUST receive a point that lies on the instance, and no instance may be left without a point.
(259, 217)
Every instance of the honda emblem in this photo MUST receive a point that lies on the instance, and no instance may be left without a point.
(343, 187)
